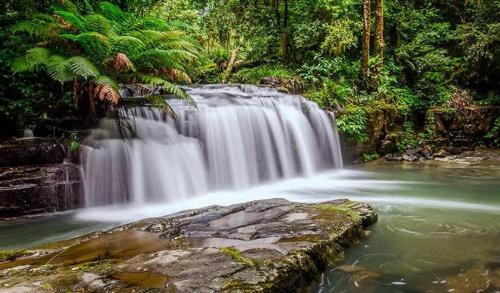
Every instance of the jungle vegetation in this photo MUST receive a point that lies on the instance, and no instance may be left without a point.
(63, 58)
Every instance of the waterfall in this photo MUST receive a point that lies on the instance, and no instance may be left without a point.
(237, 137)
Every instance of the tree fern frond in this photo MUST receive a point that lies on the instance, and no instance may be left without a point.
(96, 45)
(120, 63)
(82, 67)
(107, 89)
(151, 23)
(160, 103)
(168, 86)
(97, 23)
(69, 6)
(127, 44)
(57, 68)
(169, 59)
(20, 64)
(74, 20)
(34, 28)
(106, 80)
(112, 12)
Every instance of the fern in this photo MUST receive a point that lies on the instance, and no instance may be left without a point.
(57, 68)
(168, 86)
(109, 41)
(81, 66)
(74, 20)
(97, 23)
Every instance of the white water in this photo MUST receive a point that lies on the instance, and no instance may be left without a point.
(238, 137)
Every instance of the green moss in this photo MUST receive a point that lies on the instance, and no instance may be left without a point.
(331, 210)
(8, 255)
(238, 257)
(302, 238)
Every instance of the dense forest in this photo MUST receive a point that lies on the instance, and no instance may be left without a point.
(352, 57)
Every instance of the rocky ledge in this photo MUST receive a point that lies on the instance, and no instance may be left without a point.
(260, 246)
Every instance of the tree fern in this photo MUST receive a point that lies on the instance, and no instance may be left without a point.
(107, 40)
(35, 59)
(76, 21)
(95, 44)
(83, 67)
(97, 23)
(168, 86)
(57, 68)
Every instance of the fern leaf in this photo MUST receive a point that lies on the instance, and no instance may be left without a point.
(126, 44)
(169, 87)
(57, 69)
(82, 67)
(97, 23)
(112, 12)
(74, 20)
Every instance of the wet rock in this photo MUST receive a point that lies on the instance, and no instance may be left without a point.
(260, 246)
(410, 158)
(33, 151)
(441, 153)
(28, 190)
(393, 158)
(412, 152)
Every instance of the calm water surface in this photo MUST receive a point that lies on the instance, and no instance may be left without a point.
(438, 228)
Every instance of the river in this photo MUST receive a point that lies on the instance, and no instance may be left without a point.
(438, 227)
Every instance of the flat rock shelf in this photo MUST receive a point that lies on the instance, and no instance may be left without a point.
(260, 246)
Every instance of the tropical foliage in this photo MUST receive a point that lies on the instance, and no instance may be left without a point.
(420, 53)
(95, 49)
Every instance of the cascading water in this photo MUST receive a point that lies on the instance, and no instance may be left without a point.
(238, 136)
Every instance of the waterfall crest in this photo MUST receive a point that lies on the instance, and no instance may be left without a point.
(239, 136)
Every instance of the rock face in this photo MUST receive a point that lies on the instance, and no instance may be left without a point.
(261, 246)
(464, 127)
(33, 151)
(454, 131)
(34, 180)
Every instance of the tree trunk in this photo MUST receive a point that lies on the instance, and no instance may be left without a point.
(230, 66)
(379, 33)
(365, 42)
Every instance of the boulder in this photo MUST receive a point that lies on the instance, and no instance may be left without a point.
(260, 246)
(441, 153)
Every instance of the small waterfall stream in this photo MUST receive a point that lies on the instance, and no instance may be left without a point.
(237, 137)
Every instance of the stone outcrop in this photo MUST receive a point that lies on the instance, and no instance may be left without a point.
(261, 246)
(34, 179)
(451, 130)
(464, 127)
(32, 151)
